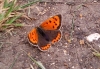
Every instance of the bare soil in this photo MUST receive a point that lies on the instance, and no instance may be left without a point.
(79, 19)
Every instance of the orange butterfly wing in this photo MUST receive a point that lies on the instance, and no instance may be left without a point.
(44, 48)
(33, 36)
(52, 23)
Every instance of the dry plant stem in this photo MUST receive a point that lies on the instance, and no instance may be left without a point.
(91, 47)
(1, 22)
(1, 45)
(14, 61)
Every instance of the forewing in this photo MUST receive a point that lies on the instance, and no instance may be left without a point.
(52, 23)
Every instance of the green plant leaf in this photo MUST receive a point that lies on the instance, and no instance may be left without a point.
(5, 4)
(14, 61)
(4, 27)
(18, 25)
(1, 16)
(10, 21)
(36, 62)
(16, 8)
(11, 7)
(96, 54)
(41, 65)
(9, 11)
(12, 3)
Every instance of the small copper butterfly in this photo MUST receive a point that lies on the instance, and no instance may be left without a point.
(46, 34)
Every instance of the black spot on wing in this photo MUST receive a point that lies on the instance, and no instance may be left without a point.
(50, 21)
(53, 27)
(46, 22)
(55, 23)
(54, 18)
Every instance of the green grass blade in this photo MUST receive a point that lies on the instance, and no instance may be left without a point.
(30, 3)
(16, 8)
(11, 66)
(41, 65)
(12, 3)
(36, 62)
(96, 54)
(18, 25)
(5, 4)
(9, 11)
(11, 7)
(1, 16)
(10, 21)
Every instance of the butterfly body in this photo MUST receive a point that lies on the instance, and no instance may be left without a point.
(46, 34)
(42, 33)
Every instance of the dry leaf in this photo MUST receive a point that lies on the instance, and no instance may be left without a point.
(69, 40)
(81, 42)
(81, 16)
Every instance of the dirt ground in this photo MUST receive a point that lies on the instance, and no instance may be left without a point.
(79, 19)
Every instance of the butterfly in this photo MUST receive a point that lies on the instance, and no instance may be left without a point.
(46, 34)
